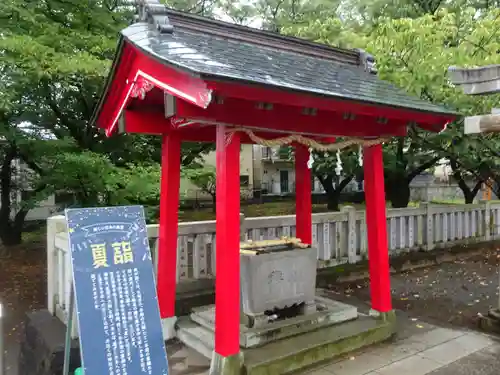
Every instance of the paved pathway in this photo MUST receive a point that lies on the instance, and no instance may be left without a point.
(438, 351)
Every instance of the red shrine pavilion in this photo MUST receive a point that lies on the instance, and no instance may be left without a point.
(187, 78)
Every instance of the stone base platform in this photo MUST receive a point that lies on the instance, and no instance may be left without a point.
(328, 312)
(298, 352)
(293, 344)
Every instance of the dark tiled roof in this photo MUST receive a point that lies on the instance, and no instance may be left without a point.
(225, 51)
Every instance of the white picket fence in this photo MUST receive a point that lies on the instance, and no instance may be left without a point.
(339, 237)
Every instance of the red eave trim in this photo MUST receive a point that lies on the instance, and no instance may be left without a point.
(275, 95)
(135, 66)
(116, 86)
(177, 83)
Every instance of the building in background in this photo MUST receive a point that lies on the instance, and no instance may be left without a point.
(188, 190)
(274, 171)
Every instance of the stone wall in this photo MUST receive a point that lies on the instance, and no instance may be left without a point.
(436, 192)
(42, 346)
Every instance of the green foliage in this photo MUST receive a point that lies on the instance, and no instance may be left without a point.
(54, 58)
(203, 177)
(414, 53)
(96, 181)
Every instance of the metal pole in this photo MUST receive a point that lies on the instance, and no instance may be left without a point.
(69, 328)
(2, 350)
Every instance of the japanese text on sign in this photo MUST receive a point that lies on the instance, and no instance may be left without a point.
(122, 253)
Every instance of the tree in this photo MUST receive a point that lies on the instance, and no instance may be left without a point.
(55, 56)
(404, 159)
(369, 12)
(275, 15)
(460, 175)
(324, 169)
(204, 177)
(19, 145)
(414, 54)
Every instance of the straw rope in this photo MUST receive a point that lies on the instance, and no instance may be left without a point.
(311, 143)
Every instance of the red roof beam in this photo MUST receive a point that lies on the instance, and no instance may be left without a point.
(258, 93)
(154, 123)
(290, 119)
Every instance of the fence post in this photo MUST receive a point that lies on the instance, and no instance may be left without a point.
(351, 233)
(243, 233)
(51, 262)
(429, 226)
(487, 220)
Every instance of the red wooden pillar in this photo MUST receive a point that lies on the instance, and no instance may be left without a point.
(303, 205)
(169, 206)
(227, 281)
(378, 252)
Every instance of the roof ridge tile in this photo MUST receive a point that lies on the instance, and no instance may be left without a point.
(155, 14)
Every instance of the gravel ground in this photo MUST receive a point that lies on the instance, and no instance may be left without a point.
(22, 289)
(452, 293)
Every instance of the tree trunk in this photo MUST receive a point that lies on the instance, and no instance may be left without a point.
(398, 191)
(214, 202)
(18, 226)
(333, 193)
(333, 199)
(12, 236)
(469, 198)
(8, 235)
(398, 183)
(469, 194)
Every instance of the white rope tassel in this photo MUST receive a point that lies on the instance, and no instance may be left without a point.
(338, 168)
(310, 162)
(360, 156)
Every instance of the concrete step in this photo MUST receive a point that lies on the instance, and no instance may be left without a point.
(329, 313)
(302, 351)
(185, 361)
(195, 336)
(298, 352)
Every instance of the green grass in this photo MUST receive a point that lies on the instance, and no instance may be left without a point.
(457, 201)
(256, 210)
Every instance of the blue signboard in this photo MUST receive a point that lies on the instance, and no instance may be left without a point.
(117, 307)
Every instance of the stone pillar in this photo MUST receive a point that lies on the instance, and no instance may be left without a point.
(376, 221)
(167, 247)
(303, 204)
(227, 282)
